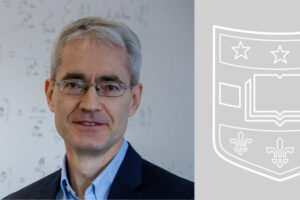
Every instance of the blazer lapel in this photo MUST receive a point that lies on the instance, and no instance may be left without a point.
(50, 189)
(119, 191)
(128, 178)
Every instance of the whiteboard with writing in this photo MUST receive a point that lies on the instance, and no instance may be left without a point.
(162, 130)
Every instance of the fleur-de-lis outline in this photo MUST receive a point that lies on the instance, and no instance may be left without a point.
(240, 143)
(280, 153)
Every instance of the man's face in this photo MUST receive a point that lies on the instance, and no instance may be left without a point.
(92, 62)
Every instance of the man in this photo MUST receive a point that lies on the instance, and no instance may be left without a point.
(93, 89)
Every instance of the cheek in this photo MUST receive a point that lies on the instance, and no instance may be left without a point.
(62, 109)
(121, 114)
(59, 117)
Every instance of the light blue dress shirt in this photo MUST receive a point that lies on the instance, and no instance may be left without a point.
(100, 187)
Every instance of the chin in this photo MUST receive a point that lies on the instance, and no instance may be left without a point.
(89, 149)
(92, 143)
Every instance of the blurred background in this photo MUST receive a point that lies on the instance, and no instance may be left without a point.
(162, 130)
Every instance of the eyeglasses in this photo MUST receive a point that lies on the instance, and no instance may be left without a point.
(77, 87)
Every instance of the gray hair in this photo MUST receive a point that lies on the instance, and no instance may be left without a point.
(96, 28)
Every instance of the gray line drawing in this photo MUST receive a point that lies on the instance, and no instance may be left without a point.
(19, 112)
(38, 116)
(49, 43)
(31, 66)
(7, 3)
(5, 109)
(118, 14)
(84, 10)
(143, 15)
(66, 12)
(36, 131)
(22, 180)
(5, 177)
(48, 27)
(144, 117)
(2, 112)
(57, 138)
(135, 11)
(10, 54)
(38, 113)
(58, 160)
(25, 9)
(41, 168)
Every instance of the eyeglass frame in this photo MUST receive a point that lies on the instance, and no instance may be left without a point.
(88, 85)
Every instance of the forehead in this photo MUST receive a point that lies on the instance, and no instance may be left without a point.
(93, 59)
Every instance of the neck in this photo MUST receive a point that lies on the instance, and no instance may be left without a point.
(84, 168)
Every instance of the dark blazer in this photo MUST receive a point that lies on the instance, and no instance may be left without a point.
(135, 179)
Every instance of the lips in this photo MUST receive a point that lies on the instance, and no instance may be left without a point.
(89, 123)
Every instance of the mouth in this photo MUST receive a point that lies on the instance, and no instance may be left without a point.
(89, 124)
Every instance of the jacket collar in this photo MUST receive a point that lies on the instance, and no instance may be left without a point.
(128, 178)
(50, 188)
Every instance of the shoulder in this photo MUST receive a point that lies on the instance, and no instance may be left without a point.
(150, 180)
(157, 180)
(35, 190)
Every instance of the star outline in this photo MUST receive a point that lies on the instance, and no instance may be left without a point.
(277, 53)
(239, 53)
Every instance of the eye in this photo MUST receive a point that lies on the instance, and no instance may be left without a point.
(111, 87)
(72, 84)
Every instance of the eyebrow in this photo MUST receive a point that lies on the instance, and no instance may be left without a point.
(100, 79)
(73, 76)
(110, 78)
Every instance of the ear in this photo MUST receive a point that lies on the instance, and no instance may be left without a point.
(49, 93)
(136, 94)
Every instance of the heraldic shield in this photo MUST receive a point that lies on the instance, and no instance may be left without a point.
(256, 101)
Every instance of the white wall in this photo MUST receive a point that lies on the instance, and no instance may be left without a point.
(162, 131)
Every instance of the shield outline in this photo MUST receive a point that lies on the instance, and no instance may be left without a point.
(214, 139)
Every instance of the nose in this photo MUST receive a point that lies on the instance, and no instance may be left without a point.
(90, 101)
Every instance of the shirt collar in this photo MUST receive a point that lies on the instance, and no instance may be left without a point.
(101, 185)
